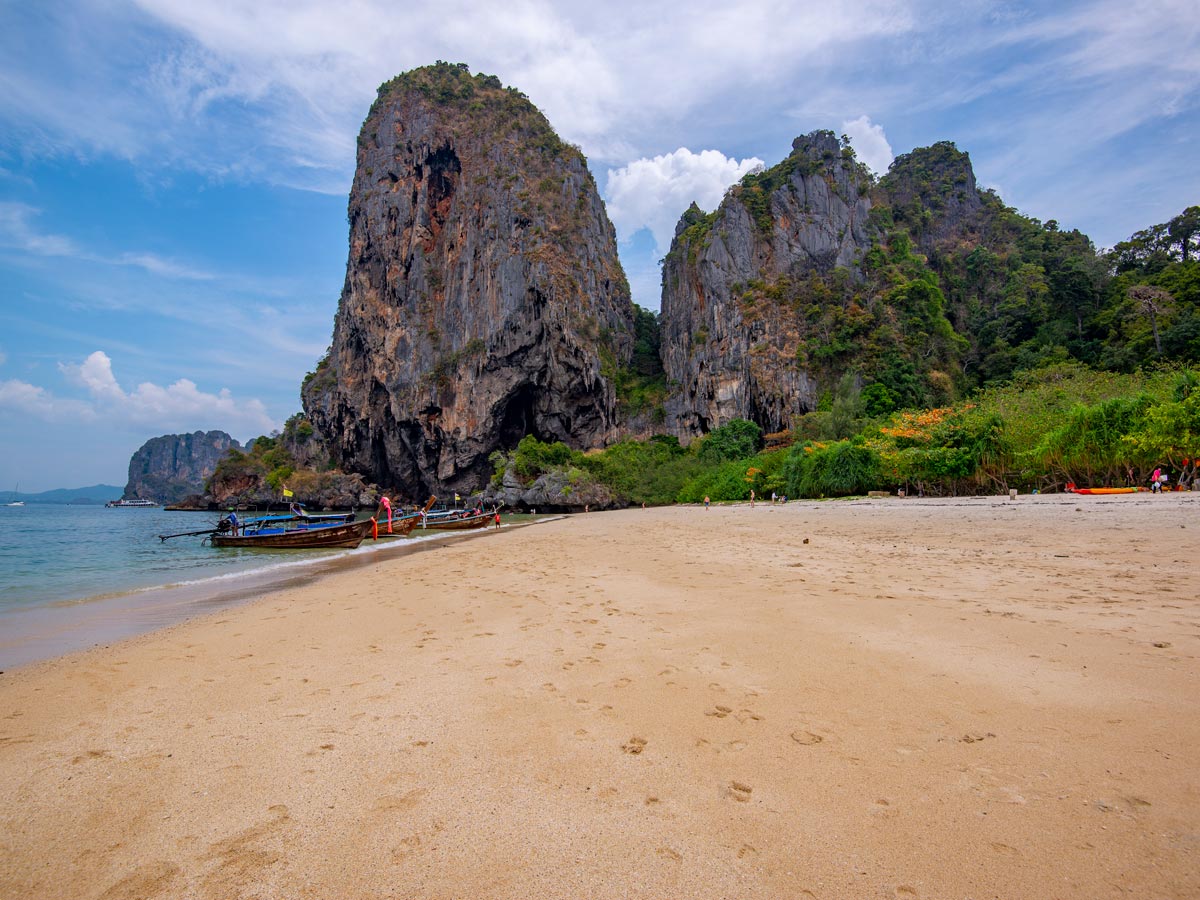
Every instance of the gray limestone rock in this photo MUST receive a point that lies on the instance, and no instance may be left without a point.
(483, 298)
(808, 215)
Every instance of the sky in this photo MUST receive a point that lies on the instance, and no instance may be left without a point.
(174, 174)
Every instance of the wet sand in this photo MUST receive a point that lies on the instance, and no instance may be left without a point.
(937, 699)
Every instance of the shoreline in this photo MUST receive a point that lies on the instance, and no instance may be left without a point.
(889, 698)
(44, 632)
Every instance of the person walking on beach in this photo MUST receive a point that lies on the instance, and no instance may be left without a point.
(497, 519)
(706, 501)
(1156, 482)
(752, 498)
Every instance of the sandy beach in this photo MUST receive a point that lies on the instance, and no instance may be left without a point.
(975, 698)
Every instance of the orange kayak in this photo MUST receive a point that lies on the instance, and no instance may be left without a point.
(1124, 490)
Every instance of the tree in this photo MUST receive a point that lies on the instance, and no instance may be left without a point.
(738, 439)
(1184, 229)
(1153, 302)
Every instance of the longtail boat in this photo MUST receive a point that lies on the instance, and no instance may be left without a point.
(273, 532)
(458, 523)
(403, 525)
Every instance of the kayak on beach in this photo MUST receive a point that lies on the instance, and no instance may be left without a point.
(1071, 489)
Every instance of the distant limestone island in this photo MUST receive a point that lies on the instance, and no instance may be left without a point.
(485, 339)
(211, 470)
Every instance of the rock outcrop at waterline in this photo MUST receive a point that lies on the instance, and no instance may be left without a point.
(483, 298)
(169, 468)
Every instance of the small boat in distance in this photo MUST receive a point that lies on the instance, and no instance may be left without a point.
(15, 493)
(121, 504)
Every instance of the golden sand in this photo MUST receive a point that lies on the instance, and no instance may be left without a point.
(916, 699)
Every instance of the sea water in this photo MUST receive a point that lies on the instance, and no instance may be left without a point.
(74, 576)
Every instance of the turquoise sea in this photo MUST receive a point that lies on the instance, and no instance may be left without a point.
(75, 576)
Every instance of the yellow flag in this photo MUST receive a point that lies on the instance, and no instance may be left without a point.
(457, 498)
(286, 492)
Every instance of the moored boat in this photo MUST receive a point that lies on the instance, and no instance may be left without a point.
(292, 533)
(458, 522)
(128, 504)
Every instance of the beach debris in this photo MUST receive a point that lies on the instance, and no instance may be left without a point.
(975, 738)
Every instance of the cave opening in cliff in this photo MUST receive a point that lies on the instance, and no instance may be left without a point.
(519, 417)
(443, 166)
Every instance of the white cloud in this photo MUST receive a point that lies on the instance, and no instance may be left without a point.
(180, 406)
(276, 89)
(37, 403)
(653, 193)
(18, 231)
(870, 144)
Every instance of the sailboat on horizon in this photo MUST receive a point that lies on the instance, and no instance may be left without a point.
(16, 492)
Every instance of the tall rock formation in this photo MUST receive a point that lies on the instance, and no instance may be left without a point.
(166, 469)
(483, 298)
(730, 347)
(808, 273)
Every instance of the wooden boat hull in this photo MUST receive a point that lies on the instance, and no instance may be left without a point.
(460, 524)
(346, 536)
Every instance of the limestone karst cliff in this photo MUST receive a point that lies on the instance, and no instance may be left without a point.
(483, 297)
(168, 468)
(729, 337)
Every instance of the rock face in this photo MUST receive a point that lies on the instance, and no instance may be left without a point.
(932, 192)
(166, 469)
(731, 356)
(483, 298)
(549, 493)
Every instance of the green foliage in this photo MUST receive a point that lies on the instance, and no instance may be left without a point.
(650, 471)
(533, 457)
(297, 429)
(642, 385)
(726, 480)
(1090, 443)
(738, 439)
(838, 469)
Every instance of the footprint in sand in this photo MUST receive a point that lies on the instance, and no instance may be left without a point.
(739, 791)
(719, 712)
(668, 853)
(807, 738)
(634, 746)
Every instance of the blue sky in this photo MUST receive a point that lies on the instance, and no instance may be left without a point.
(173, 174)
